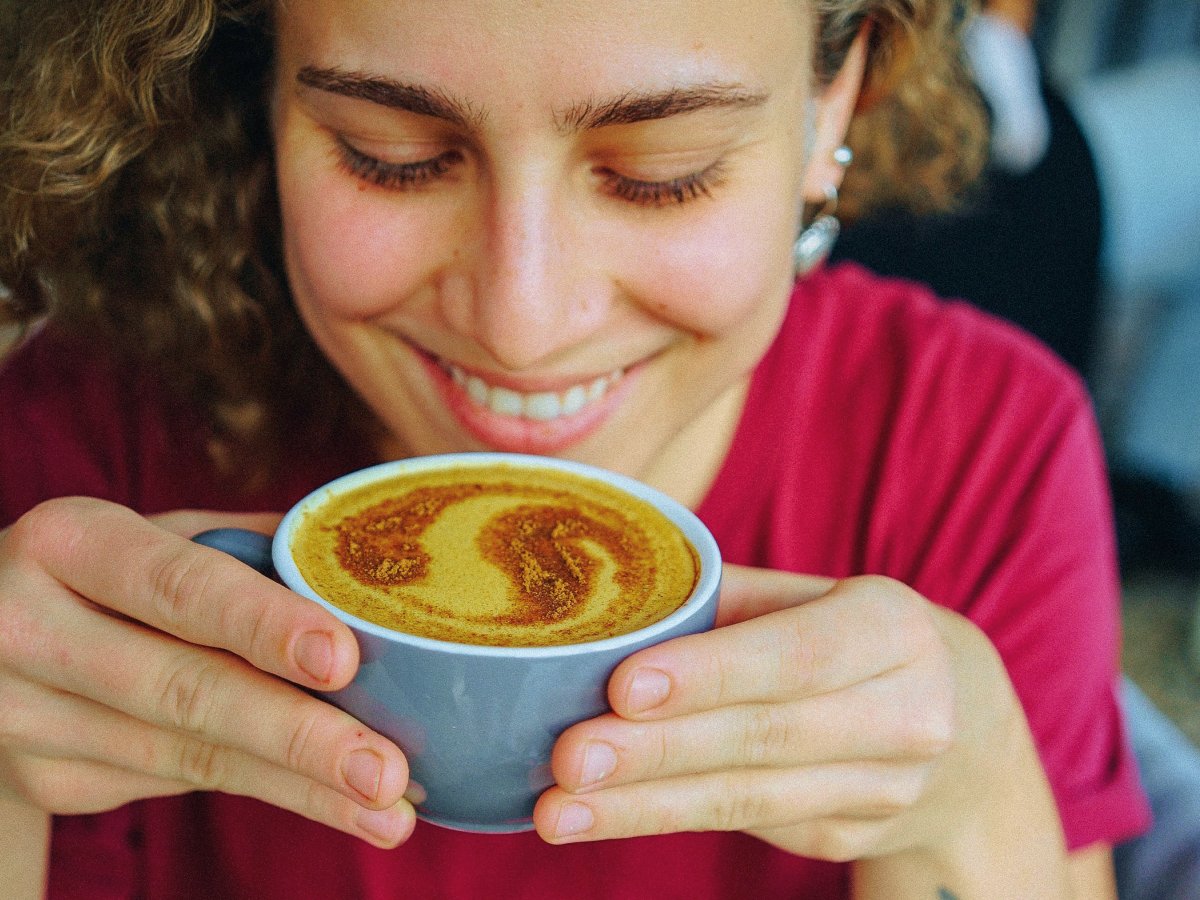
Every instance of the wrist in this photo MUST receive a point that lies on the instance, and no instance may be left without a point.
(993, 828)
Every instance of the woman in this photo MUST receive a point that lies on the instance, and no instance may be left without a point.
(326, 234)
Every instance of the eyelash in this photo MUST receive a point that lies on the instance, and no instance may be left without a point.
(394, 176)
(676, 191)
(655, 194)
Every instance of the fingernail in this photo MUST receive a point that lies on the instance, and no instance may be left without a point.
(648, 689)
(599, 761)
(314, 654)
(573, 818)
(363, 771)
(387, 825)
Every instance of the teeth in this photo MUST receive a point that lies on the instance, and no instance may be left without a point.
(574, 400)
(542, 406)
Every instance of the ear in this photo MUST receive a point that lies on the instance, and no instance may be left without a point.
(835, 107)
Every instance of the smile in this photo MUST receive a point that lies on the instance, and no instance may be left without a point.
(541, 406)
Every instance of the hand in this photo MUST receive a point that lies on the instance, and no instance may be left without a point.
(834, 719)
(135, 663)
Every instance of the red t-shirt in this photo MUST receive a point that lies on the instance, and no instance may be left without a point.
(885, 432)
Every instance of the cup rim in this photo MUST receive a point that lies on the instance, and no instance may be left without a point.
(697, 533)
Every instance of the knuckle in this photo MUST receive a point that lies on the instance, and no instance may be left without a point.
(661, 753)
(318, 804)
(668, 821)
(179, 582)
(202, 763)
(47, 528)
(906, 613)
(768, 731)
(260, 642)
(189, 695)
(302, 741)
(799, 661)
(724, 679)
(657, 817)
(734, 808)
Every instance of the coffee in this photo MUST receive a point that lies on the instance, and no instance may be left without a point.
(498, 554)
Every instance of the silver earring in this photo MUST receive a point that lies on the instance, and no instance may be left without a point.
(815, 242)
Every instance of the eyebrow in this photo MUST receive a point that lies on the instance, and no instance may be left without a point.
(390, 93)
(627, 109)
(642, 107)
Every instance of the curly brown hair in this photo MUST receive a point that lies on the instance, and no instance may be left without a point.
(139, 202)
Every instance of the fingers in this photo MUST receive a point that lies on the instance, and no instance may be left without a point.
(874, 720)
(730, 801)
(214, 701)
(858, 629)
(820, 715)
(81, 787)
(52, 783)
(135, 663)
(196, 593)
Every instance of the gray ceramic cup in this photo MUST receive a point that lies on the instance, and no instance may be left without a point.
(478, 722)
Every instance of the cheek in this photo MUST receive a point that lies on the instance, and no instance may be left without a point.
(347, 253)
(712, 276)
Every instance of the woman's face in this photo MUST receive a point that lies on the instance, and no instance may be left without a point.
(549, 227)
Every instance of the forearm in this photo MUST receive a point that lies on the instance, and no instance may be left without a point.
(24, 850)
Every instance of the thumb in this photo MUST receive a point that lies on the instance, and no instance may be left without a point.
(747, 593)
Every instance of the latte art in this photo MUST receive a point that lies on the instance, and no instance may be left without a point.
(497, 554)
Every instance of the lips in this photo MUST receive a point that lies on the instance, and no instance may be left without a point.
(505, 418)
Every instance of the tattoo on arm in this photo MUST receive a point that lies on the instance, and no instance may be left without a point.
(946, 894)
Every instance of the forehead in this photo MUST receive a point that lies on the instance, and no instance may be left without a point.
(553, 53)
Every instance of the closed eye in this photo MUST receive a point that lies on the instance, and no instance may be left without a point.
(672, 191)
(400, 176)
(394, 175)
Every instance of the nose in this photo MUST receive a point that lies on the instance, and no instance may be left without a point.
(536, 288)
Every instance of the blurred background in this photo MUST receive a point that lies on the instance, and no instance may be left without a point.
(1086, 232)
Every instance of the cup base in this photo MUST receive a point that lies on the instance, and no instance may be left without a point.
(510, 827)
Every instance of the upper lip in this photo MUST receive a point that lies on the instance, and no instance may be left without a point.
(525, 384)
(530, 384)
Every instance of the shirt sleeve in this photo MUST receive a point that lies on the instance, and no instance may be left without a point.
(1013, 528)
(1059, 633)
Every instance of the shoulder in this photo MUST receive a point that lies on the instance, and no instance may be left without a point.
(969, 441)
(912, 366)
(900, 328)
(899, 422)
(79, 422)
